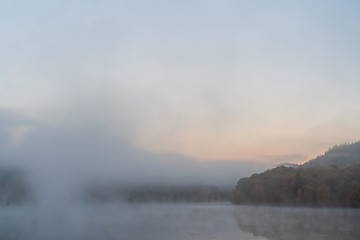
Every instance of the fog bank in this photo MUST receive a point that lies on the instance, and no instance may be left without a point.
(61, 159)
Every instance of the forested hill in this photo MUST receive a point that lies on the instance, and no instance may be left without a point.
(344, 155)
(332, 179)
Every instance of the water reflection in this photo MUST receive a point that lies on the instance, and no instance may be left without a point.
(283, 223)
(178, 222)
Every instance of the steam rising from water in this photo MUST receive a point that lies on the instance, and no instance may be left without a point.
(62, 159)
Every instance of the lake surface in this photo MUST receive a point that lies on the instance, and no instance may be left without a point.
(220, 221)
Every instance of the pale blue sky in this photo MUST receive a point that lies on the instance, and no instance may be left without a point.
(210, 79)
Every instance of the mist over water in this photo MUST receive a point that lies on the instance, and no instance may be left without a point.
(60, 162)
(87, 86)
(184, 221)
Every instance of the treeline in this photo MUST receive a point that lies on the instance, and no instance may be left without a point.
(314, 186)
(194, 193)
(343, 155)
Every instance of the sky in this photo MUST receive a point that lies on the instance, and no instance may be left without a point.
(268, 81)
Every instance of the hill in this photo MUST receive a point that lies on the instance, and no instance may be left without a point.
(343, 155)
(332, 179)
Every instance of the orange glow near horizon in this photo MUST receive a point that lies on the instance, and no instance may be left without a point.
(269, 148)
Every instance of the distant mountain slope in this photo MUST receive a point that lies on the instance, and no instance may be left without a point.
(332, 179)
(344, 155)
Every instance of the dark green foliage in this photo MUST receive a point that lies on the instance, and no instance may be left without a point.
(315, 186)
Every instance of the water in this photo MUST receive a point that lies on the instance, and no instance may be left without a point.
(283, 223)
(220, 221)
